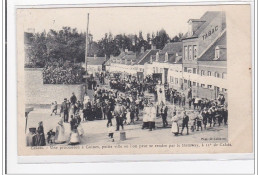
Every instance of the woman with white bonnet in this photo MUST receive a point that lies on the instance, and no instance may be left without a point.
(146, 114)
(60, 133)
(175, 125)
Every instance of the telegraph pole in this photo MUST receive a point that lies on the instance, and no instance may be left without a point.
(86, 55)
(86, 49)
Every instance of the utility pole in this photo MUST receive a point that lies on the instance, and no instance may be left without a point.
(86, 50)
(86, 55)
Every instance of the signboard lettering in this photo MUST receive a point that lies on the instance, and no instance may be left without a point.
(210, 32)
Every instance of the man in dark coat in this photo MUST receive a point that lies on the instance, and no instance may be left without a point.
(73, 123)
(225, 115)
(164, 110)
(118, 112)
(73, 99)
(185, 122)
(88, 110)
(40, 137)
(109, 115)
(65, 110)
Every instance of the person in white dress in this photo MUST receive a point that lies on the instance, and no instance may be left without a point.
(60, 133)
(128, 118)
(161, 94)
(74, 137)
(175, 125)
(146, 114)
(152, 117)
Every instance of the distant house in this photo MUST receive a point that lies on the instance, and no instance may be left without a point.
(123, 63)
(94, 64)
(165, 63)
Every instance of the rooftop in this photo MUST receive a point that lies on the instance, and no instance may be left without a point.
(206, 19)
(96, 60)
(209, 55)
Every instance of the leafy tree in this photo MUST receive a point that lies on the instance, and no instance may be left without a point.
(37, 51)
(177, 38)
(68, 45)
(160, 39)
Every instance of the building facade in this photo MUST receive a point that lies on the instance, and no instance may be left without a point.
(94, 64)
(198, 62)
(204, 56)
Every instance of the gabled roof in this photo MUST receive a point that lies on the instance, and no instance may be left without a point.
(172, 48)
(129, 57)
(207, 19)
(95, 61)
(145, 57)
(209, 55)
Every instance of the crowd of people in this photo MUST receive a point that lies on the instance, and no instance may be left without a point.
(127, 100)
(57, 73)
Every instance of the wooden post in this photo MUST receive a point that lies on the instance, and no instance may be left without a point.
(86, 49)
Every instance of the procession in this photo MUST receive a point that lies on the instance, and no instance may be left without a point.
(130, 104)
(125, 88)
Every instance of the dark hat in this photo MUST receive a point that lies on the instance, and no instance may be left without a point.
(65, 98)
(32, 129)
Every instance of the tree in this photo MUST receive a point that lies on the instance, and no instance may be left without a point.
(37, 50)
(160, 39)
(108, 46)
(177, 38)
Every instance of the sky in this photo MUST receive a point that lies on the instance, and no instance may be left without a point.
(117, 20)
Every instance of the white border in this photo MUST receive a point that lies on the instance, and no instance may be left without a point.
(167, 166)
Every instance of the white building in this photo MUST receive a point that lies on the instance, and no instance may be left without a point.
(94, 64)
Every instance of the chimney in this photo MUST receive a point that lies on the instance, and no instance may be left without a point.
(151, 58)
(157, 56)
(126, 50)
(142, 49)
(194, 24)
(95, 56)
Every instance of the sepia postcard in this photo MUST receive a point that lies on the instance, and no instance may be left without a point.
(134, 80)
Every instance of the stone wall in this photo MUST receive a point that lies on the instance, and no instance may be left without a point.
(38, 93)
